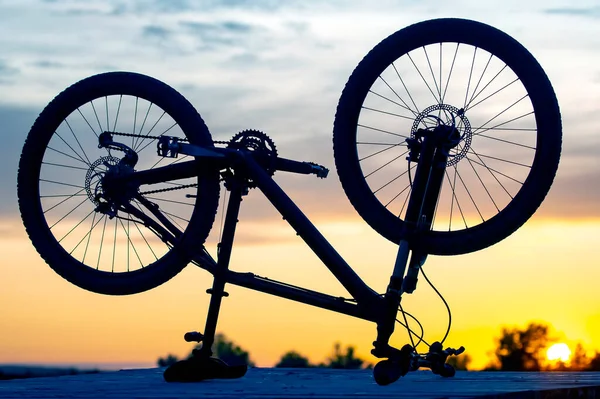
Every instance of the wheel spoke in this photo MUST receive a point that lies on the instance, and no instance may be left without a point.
(114, 129)
(149, 132)
(450, 73)
(470, 76)
(491, 95)
(130, 243)
(89, 236)
(506, 109)
(77, 225)
(475, 94)
(387, 113)
(391, 181)
(383, 166)
(138, 143)
(422, 77)
(408, 186)
(453, 187)
(87, 122)
(72, 149)
(476, 130)
(383, 131)
(97, 118)
(63, 166)
(406, 89)
(507, 141)
(101, 243)
(437, 88)
(483, 184)
(77, 194)
(500, 159)
(397, 95)
(392, 101)
(381, 151)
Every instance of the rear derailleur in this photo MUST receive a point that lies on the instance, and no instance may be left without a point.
(389, 370)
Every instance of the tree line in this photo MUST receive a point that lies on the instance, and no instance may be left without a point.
(230, 353)
(517, 349)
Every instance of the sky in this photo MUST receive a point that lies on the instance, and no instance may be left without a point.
(280, 66)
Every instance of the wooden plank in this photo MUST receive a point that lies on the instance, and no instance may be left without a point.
(313, 383)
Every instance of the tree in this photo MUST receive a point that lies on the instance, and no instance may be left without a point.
(579, 359)
(594, 364)
(293, 359)
(167, 361)
(460, 362)
(522, 350)
(222, 348)
(228, 351)
(346, 360)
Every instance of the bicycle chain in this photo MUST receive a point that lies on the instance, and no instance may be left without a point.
(156, 138)
(162, 190)
(184, 139)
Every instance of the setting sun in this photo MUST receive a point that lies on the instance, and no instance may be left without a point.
(559, 352)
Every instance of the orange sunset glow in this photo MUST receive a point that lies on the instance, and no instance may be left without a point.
(282, 70)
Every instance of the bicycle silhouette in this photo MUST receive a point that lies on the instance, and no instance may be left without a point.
(119, 178)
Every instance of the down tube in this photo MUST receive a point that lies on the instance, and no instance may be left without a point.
(309, 233)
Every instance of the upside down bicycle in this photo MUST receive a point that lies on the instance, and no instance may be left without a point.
(119, 178)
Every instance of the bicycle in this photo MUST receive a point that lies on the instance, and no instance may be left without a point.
(403, 167)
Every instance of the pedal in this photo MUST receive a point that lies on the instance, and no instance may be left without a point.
(167, 147)
(193, 336)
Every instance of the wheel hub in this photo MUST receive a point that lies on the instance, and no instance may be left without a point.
(102, 188)
(453, 129)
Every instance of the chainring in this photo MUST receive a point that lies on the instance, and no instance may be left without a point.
(261, 145)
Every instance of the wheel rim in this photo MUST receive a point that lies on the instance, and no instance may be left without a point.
(491, 109)
(90, 225)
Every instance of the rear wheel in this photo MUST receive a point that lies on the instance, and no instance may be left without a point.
(88, 237)
(453, 72)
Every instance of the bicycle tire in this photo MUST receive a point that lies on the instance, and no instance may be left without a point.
(547, 117)
(163, 268)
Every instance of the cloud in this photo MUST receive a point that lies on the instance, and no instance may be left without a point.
(7, 72)
(47, 64)
(591, 12)
(154, 31)
(273, 65)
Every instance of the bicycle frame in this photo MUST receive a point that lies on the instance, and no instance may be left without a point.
(366, 304)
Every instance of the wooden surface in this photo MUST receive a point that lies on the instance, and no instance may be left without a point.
(309, 383)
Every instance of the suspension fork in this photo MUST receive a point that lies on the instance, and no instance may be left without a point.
(425, 191)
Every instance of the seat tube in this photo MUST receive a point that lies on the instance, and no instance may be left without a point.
(217, 291)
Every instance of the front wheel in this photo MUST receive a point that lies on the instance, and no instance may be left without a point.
(462, 74)
(119, 240)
